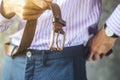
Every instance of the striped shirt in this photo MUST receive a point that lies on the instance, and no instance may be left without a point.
(113, 21)
(81, 16)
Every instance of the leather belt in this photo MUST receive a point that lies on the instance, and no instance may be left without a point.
(58, 24)
(68, 51)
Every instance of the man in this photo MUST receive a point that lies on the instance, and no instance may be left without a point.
(81, 16)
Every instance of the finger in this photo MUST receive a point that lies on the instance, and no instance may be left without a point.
(28, 14)
(102, 56)
(109, 52)
(101, 52)
(32, 7)
(90, 56)
(48, 0)
(29, 17)
(32, 12)
(93, 52)
(95, 57)
(41, 3)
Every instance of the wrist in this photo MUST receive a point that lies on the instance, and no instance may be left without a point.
(106, 37)
(109, 32)
(6, 10)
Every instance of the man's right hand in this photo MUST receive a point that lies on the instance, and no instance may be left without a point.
(25, 9)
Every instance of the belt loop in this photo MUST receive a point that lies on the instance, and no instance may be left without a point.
(44, 58)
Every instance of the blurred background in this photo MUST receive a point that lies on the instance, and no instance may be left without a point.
(105, 69)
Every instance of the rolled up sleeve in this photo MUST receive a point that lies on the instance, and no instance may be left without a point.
(113, 22)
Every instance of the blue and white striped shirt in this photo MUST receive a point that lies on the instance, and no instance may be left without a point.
(81, 16)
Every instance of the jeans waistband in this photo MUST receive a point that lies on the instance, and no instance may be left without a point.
(45, 55)
(68, 51)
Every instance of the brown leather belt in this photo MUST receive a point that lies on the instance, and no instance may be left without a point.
(29, 31)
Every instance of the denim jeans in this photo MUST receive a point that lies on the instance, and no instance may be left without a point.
(69, 64)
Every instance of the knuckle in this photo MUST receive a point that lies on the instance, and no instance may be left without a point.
(23, 14)
(23, 17)
(103, 47)
(93, 50)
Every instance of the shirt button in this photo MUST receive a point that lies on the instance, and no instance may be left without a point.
(29, 54)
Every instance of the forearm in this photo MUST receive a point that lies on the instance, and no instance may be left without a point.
(113, 21)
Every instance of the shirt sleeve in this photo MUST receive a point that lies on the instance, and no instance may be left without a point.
(4, 22)
(113, 22)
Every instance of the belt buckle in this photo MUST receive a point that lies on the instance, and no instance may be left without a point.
(56, 32)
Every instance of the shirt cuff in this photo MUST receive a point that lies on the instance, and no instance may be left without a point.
(113, 21)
